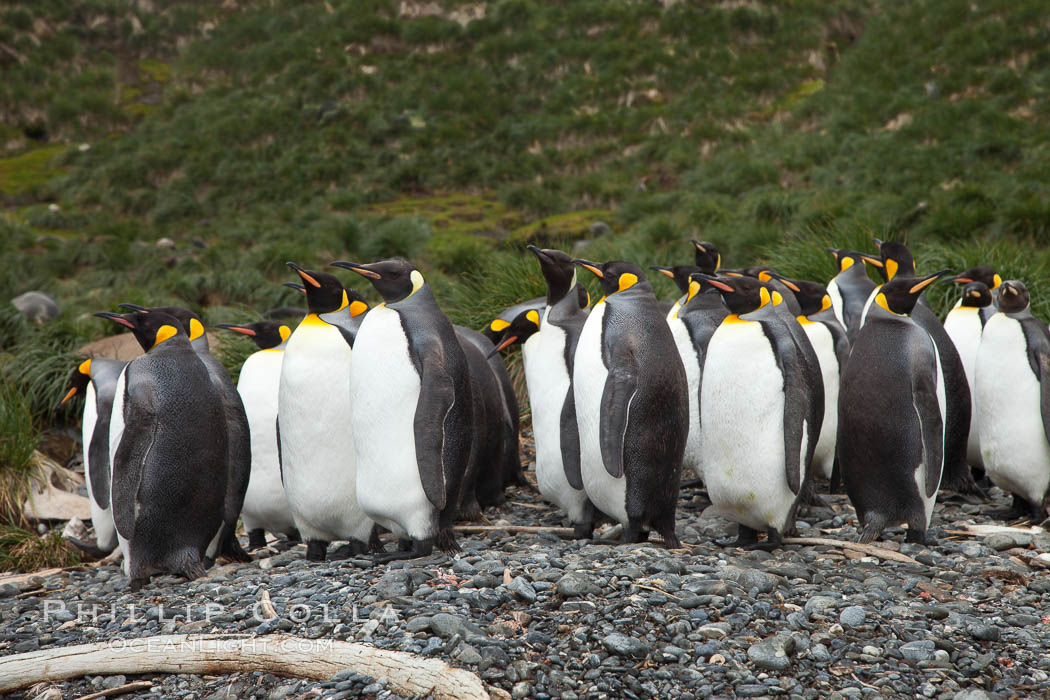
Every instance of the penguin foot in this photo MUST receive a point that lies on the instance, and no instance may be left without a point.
(963, 483)
(773, 541)
(293, 535)
(374, 543)
(194, 571)
(316, 550)
(633, 533)
(232, 549)
(1018, 510)
(671, 540)
(446, 541)
(256, 539)
(691, 484)
(88, 548)
(583, 531)
(915, 536)
(415, 550)
(745, 536)
(136, 584)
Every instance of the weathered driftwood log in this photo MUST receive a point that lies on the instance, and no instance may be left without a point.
(880, 552)
(521, 529)
(281, 655)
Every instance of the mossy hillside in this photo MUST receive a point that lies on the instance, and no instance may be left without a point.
(315, 131)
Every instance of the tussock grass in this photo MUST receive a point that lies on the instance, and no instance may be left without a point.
(21, 550)
(18, 439)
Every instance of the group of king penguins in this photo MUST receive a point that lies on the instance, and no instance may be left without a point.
(391, 417)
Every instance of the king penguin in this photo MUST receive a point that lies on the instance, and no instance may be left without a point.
(692, 325)
(850, 288)
(548, 375)
(964, 325)
(828, 338)
(265, 505)
(762, 404)
(892, 406)
(97, 379)
(986, 275)
(632, 408)
(1013, 402)
(314, 429)
(239, 457)
(411, 391)
(897, 261)
(168, 444)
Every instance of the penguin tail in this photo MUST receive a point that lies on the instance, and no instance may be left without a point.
(873, 527)
(194, 570)
(446, 541)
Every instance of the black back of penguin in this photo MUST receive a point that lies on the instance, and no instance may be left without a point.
(239, 451)
(644, 409)
(444, 412)
(483, 481)
(898, 262)
(890, 419)
(169, 474)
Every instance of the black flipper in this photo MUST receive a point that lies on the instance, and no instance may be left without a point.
(928, 413)
(620, 387)
(796, 393)
(436, 398)
(1037, 338)
(280, 461)
(570, 442)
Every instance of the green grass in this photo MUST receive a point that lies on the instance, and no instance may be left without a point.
(21, 550)
(19, 437)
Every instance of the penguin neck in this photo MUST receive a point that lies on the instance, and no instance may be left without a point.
(638, 290)
(1021, 315)
(200, 344)
(558, 287)
(421, 298)
(763, 313)
(707, 300)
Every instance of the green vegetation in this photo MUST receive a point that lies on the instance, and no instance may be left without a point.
(251, 133)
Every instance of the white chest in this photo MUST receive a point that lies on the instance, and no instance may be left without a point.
(589, 375)
(1013, 442)
(742, 403)
(385, 387)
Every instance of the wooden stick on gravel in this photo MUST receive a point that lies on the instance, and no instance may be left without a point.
(874, 551)
(279, 654)
(521, 529)
(119, 690)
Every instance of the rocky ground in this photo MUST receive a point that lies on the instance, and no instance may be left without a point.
(546, 617)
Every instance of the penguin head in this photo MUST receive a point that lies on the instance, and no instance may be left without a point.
(742, 294)
(324, 292)
(190, 321)
(266, 334)
(895, 259)
(1013, 297)
(706, 256)
(520, 329)
(848, 258)
(78, 381)
(679, 273)
(976, 295)
(899, 295)
(150, 329)
(395, 280)
(616, 275)
(557, 269)
(985, 274)
(812, 297)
